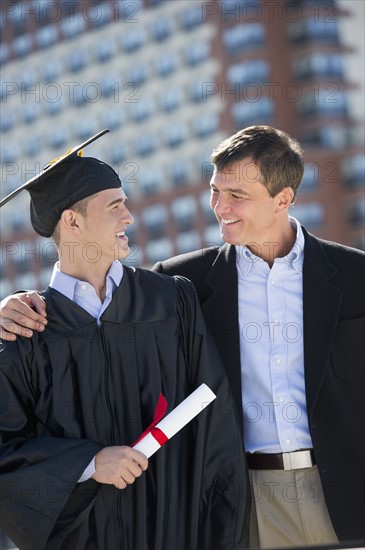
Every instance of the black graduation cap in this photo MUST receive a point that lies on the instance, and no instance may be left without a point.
(62, 183)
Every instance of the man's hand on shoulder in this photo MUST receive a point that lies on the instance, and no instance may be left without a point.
(119, 466)
(20, 314)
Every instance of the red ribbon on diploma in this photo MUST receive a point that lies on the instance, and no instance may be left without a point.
(160, 412)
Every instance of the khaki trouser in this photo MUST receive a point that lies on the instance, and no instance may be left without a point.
(289, 509)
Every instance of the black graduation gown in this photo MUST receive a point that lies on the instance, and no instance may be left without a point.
(77, 387)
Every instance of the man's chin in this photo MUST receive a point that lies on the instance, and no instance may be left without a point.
(227, 238)
(123, 252)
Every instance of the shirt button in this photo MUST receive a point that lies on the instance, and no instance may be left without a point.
(287, 441)
(278, 361)
(281, 399)
(276, 322)
(84, 287)
(273, 283)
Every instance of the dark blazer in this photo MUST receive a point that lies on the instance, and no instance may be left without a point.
(334, 358)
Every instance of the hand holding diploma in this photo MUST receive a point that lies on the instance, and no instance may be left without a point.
(165, 429)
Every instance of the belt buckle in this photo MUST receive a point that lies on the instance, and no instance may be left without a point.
(297, 460)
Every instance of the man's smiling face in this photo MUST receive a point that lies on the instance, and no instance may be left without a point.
(242, 204)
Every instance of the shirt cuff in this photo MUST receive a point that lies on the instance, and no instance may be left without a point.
(88, 472)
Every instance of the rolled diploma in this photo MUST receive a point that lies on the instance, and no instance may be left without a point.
(177, 418)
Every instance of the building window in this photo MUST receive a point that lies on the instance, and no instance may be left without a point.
(188, 241)
(155, 220)
(79, 97)
(73, 26)
(137, 74)
(6, 121)
(206, 124)
(197, 53)
(166, 63)
(27, 78)
(22, 45)
(150, 181)
(353, 169)
(58, 137)
(248, 72)
(259, 112)
(18, 20)
(184, 212)
(236, 10)
(330, 137)
(47, 36)
(30, 112)
(113, 118)
(178, 171)
(109, 84)
(133, 39)
(33, 146)
(55, 107)
(99, 14)
(197, 91)
(10, 152)
(77, 61)
(309, 214)
(118, 153)
(175, 134)
(319, 65)
(331, 102)
(171, 99)
(159, 250)
(105, 50)
(314, 30)
(142, 110)
(146, 144)
(192, 17)
(127, 11)
(162, 28)
(51, 70)
(241, 38)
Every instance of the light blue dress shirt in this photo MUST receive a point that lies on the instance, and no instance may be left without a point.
(84, 295)
(271, 350)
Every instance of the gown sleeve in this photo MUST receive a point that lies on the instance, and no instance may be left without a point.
(38, 472)
(218, 466)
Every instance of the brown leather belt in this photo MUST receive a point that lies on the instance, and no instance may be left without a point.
(281, 461)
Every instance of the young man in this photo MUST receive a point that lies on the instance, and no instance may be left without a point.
(286, 310)
(76, 396)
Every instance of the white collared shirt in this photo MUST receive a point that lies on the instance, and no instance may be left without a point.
(271, 350)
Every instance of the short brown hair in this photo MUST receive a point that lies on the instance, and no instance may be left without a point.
(81, 207)
(275, 153)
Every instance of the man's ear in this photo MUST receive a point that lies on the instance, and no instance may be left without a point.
(285, 198)
(71, 221)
